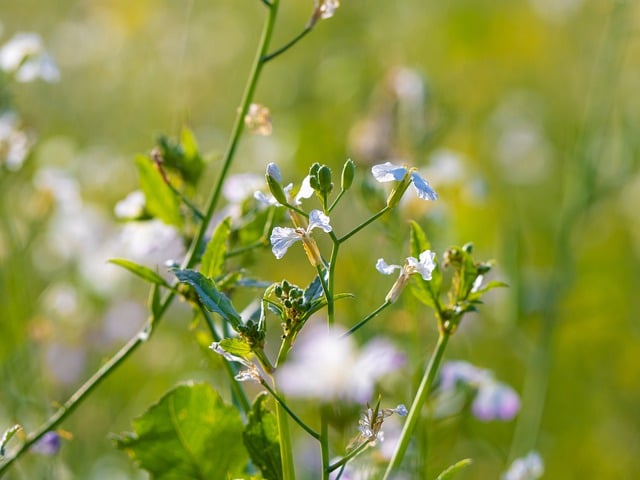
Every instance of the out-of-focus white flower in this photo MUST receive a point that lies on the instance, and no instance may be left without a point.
(151, 242)
(242, 186)
(325, 8)
(14, 142)
(283, 237)
(388, 172)
(493, 400)
(132, 206)
(24, 56)
(258, 119)
(62, 186)
(424, 266)
(326, 367)
(529, 467)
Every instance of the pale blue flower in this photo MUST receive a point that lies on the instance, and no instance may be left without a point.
(424, 265)
(283, 237)
(388, 172)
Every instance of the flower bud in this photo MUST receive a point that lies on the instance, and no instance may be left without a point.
(398, 191)
(274, 178)
(348, 172)
(324, 179)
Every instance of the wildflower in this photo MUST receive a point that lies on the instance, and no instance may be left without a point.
(281, 195)
(283, 237)
(424, 266)
(24, 56)
(326, 367)
(371, 420)
(529, 467)
(251, 371)
(322, 10)
(14, 142)
(258, 119)
(49, 444)
(132, 206)
(388, 172)
(492, 400)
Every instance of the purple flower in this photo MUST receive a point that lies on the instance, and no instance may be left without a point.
(49, 444)
(495, 401)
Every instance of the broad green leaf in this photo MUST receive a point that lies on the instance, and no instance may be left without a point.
(8, 434)
(236, 346)
(261, 439)
(161, 202)
(210, 296)
(189, 434)
(453, 469)
(213, 258)
(141, 271)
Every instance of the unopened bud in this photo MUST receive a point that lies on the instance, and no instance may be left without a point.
(324, 179)
(348, 172)
(274, 178)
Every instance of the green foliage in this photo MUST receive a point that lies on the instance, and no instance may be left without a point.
(210, 296)
(261, 439)
(453, 469)
(213, 258)
(140, 270)
(7, 436)
(183, 156)
(236, 346)
(428, 292)
(189, 434)
(160, 201)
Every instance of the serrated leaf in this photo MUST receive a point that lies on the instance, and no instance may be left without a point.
(453, 469)
(6, 437)
(261, 439)
(140, 270)
(236, 346)
(160, 201)
(213, 258)
(189, 434)
(210, 296)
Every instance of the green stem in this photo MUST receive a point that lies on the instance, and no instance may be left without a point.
(286, 448)
(363, 224)
(362, 322)
(295, 418)
(327, 293)
(72, 403)
(324, 443)
(356, 451)
(190, 260)
(288, 45)
(418, 402)
(335, 202)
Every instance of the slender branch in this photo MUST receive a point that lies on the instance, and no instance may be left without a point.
(337, 199)
(288, 45)
(332, 268)
(324, 443)
(362, 322)
(295, 418)
(343, 461)
(363, 224)
(418, 402)
(327, 293)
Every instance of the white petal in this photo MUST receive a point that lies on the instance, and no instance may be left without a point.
(383, 267)
(266, 199)
(305, 190)
(422, 187)
(317, 219)
(281, 239)
(388, 172)
(425, 265)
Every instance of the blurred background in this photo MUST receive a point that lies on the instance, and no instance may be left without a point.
(522, 114)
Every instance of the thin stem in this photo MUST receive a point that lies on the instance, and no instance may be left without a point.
(335, 202)
(418, 402)
(295, 418)
(72, 403)
(343, 461)
(324, 443)
(288, 45)
(286, 448)
(362, 322)
(327, 293)
(363, 224)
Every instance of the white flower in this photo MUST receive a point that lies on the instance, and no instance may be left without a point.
(424, 266)
(326, 8)
(14, 142)
(529, 467)
(326, 367)
(388, 172)
(25, 56)
(283, 237)
(132, 206)
(250, 372)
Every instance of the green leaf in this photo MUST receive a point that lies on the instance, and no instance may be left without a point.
(140, 270)
(210, 296)
(213, 258)
(453, 469)
(8, 434)
(189, 434)
(262, 441)
(236, 346)
(193, 164)
(154, 301)
(161, 202)
(489, 286)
